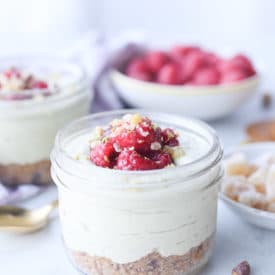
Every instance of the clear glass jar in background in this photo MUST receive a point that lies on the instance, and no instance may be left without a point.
(137, 222)
(28, 127)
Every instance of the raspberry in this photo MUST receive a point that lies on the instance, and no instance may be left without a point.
(155, 60)
(206, 76)
(211, 59)
(169, 137)
(194, 61)
(238, 63)
(169, 74)
(131, 160)
(143, 76)
(233, 76)
(103, 155)
(138, 69)
(137, 65)
(140, 138)
(12, 72)
(181, 51)
(161, 159)
(134, 143)
(243, 62)
(39, 84)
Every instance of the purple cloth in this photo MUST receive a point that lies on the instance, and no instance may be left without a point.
(14, 194)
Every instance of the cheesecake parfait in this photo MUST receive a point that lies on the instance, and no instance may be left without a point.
(138, 192)
(37, 97)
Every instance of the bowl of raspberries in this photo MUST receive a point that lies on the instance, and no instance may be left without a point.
(187, 80)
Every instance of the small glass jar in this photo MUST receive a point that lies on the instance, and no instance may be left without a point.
(138, 222)
(28, 126)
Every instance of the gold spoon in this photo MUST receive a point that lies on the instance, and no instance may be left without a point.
(21, 220)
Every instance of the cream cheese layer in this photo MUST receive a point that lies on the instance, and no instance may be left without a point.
(27, 137)
(125, 225)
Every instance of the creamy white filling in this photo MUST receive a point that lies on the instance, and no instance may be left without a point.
(29, 138)
(125, 230)
(128, 224)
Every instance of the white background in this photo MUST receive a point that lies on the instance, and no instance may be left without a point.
(47, 24)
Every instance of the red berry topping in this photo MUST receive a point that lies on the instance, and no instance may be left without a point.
(103, 155)
(12, 72)
(133, 143)
(39, 84)
(19, 85)
(161, 159)
(156, 60)
(169, 137)
(169, 74)
(131, 160)
(140, 138)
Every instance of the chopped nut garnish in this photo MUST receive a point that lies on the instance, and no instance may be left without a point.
(135, 119)
(242, 268)
(106, 159)
(105, 139)
(155, 146)
(175, 152)
(115, 122)
(117, 148)
(266, 100)
(81, 157)
(94, 143)
(99, 132)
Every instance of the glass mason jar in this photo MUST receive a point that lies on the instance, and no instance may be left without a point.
(138, 222)
(28, 126)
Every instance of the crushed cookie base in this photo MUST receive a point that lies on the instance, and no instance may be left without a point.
(153, 263)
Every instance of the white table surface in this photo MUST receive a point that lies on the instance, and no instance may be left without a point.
(42, 252)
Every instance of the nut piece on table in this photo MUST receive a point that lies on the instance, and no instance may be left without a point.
(266, 100)
(242, 268)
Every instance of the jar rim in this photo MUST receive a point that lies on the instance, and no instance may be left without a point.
(79, 81)
(215, 148)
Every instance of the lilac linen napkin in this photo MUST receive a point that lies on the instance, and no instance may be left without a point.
(97, 53)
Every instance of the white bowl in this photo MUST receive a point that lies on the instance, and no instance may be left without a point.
(204, 102)
(254, 216)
